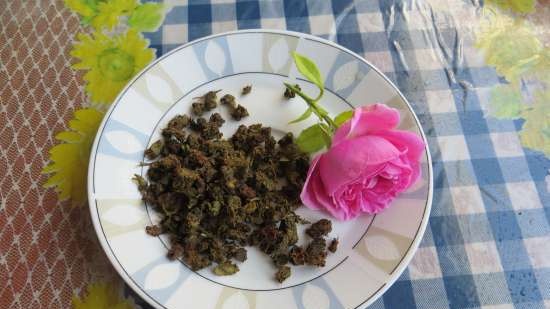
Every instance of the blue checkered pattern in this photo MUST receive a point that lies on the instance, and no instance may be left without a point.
(488, 240)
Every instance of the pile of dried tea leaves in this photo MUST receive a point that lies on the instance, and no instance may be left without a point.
(217, 195)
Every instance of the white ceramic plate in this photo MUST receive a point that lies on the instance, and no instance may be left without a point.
(373, 251)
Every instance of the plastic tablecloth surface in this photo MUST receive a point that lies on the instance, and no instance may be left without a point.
(476, 74)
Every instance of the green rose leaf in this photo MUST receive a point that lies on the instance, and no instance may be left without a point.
(308, 69)
(147, 17)
(304, 116)
(342, 117)
(313, 139)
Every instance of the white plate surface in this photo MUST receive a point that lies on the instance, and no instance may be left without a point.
(374, 250)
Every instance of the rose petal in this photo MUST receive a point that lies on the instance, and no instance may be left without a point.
(408, 173)
(414, 146)
(416, 172)
(308, 195)
(402, 140)
(377, 203)
(367, 165)
(314, 195)
(351, 159)
(329, 204)
(367, 119)
(342, 201)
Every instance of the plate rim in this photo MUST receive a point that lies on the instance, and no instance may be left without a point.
(91, 165)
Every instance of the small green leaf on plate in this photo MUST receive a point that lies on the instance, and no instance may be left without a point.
(308, 68)
(304, 116)
(147, 17)
(343, 117)
(312, 139)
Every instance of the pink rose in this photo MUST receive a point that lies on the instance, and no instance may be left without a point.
(367, 166)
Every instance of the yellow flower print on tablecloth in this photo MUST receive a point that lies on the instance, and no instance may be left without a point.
(147, 17)
(519, 6)
(102, 296)
(106, 14)
(69, 159)
(87, 9)
(512, 46)
(506, 101)
(111, 61)
(509, 45)
(109, 13)
(535, 133)
(101, 13)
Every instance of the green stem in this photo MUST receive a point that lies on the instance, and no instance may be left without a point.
(321, 92)
(320, 112)
(328, 135)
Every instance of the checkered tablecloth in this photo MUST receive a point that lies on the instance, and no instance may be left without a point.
(488, 240)
(487, 244)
